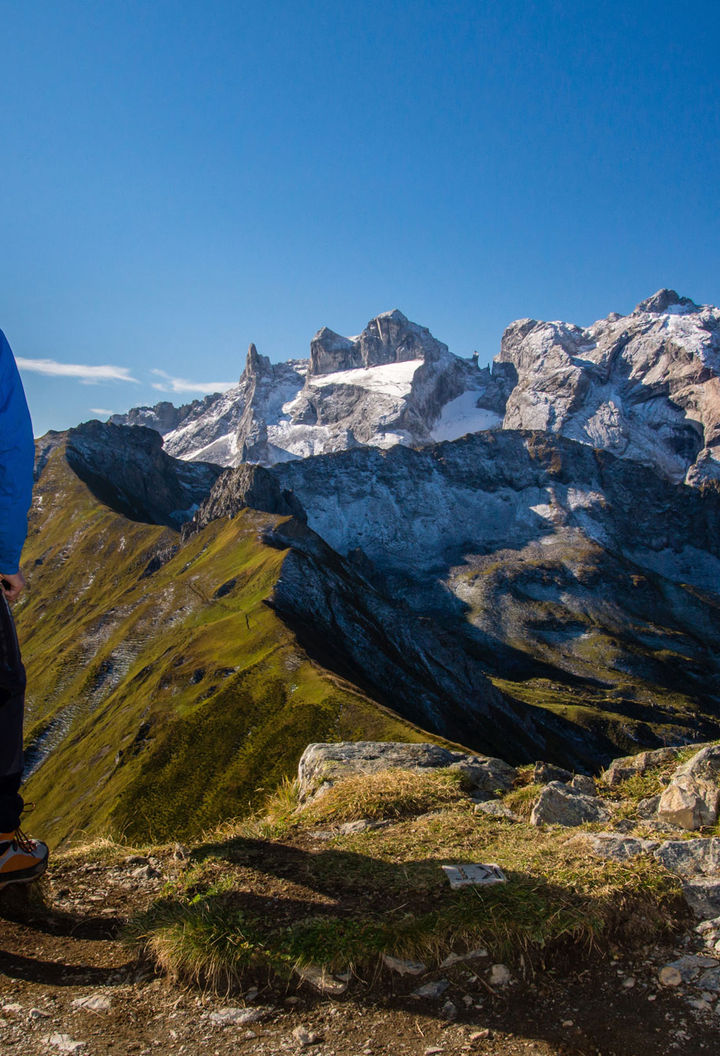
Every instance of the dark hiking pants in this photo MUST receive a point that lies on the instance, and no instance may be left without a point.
(12, 701)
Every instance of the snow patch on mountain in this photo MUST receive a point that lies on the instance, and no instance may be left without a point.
(462, 415)
(390, 379)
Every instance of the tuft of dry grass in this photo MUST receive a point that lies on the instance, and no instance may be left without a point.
(522, 800)
(385, 795)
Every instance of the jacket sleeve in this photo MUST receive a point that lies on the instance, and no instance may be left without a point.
(17, 456)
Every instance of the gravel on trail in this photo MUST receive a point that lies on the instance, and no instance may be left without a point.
(68, 984)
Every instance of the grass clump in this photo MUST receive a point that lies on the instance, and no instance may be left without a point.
(386, 794)
(248, 907)
(522, 800)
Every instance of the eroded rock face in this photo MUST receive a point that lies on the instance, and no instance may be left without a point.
(126, 468)
(389, 385)
(644, 386)
(388, 338)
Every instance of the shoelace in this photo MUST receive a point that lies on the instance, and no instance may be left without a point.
(23, 842)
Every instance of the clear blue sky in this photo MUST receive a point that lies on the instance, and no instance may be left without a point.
(180, 178)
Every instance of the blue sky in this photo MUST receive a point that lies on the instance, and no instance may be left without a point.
(180, 178)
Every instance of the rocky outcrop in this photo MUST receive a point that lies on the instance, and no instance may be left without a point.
(388, 338)
(126, 468)
(632, 765)
(645, 386)
(248, 486)
(323, 765)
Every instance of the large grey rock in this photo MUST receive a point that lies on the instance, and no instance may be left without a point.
(704, 765)
(631, 765)
(484, 775)
(703, 897)
(692, 965)
(323, 765)
(544, 773)
(689, 803)
(561, 805)
(692, 798)
(691, 858)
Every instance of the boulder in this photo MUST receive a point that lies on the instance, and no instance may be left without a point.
(544, 773)
(647, 808)
(322, 765)
(691, 859)
(704, 765)
(485, 774)
(562, 805)
(630, 765)
(692, 799)
(584, 784)
(689, 803)
(703, 897)
(496, 809)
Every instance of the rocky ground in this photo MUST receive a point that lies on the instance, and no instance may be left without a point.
(73, 981)
(69, 984)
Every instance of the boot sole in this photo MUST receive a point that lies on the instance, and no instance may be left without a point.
(25, 876)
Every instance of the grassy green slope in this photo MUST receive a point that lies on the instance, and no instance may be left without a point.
(163, 706)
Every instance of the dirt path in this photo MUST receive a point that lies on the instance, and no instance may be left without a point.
(69, 985)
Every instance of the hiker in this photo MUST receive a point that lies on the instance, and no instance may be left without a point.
(21, 859)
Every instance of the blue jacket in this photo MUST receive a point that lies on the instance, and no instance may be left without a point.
(17, 457)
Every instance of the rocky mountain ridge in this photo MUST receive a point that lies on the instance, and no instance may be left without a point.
(645, 386)
(579, 580)
(492, 591)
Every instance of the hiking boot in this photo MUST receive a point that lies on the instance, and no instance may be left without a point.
(21, 859)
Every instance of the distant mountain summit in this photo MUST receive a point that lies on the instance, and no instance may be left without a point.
(388, 385)
(645, 386)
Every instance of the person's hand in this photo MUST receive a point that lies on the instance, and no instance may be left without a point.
(12, 585)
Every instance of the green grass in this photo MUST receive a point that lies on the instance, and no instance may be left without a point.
(251, 906)
(180, 708)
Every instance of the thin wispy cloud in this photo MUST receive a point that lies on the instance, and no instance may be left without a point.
(177, 385)
(100, 410)
(84, 372)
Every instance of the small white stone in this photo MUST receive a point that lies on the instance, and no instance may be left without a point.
(93, 1003)
(64, 1043)
(306, 1037)
(238, 1017)
(432, 990)
(321, 980)
(402, 967)
(500, 975)
(37, 1013)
